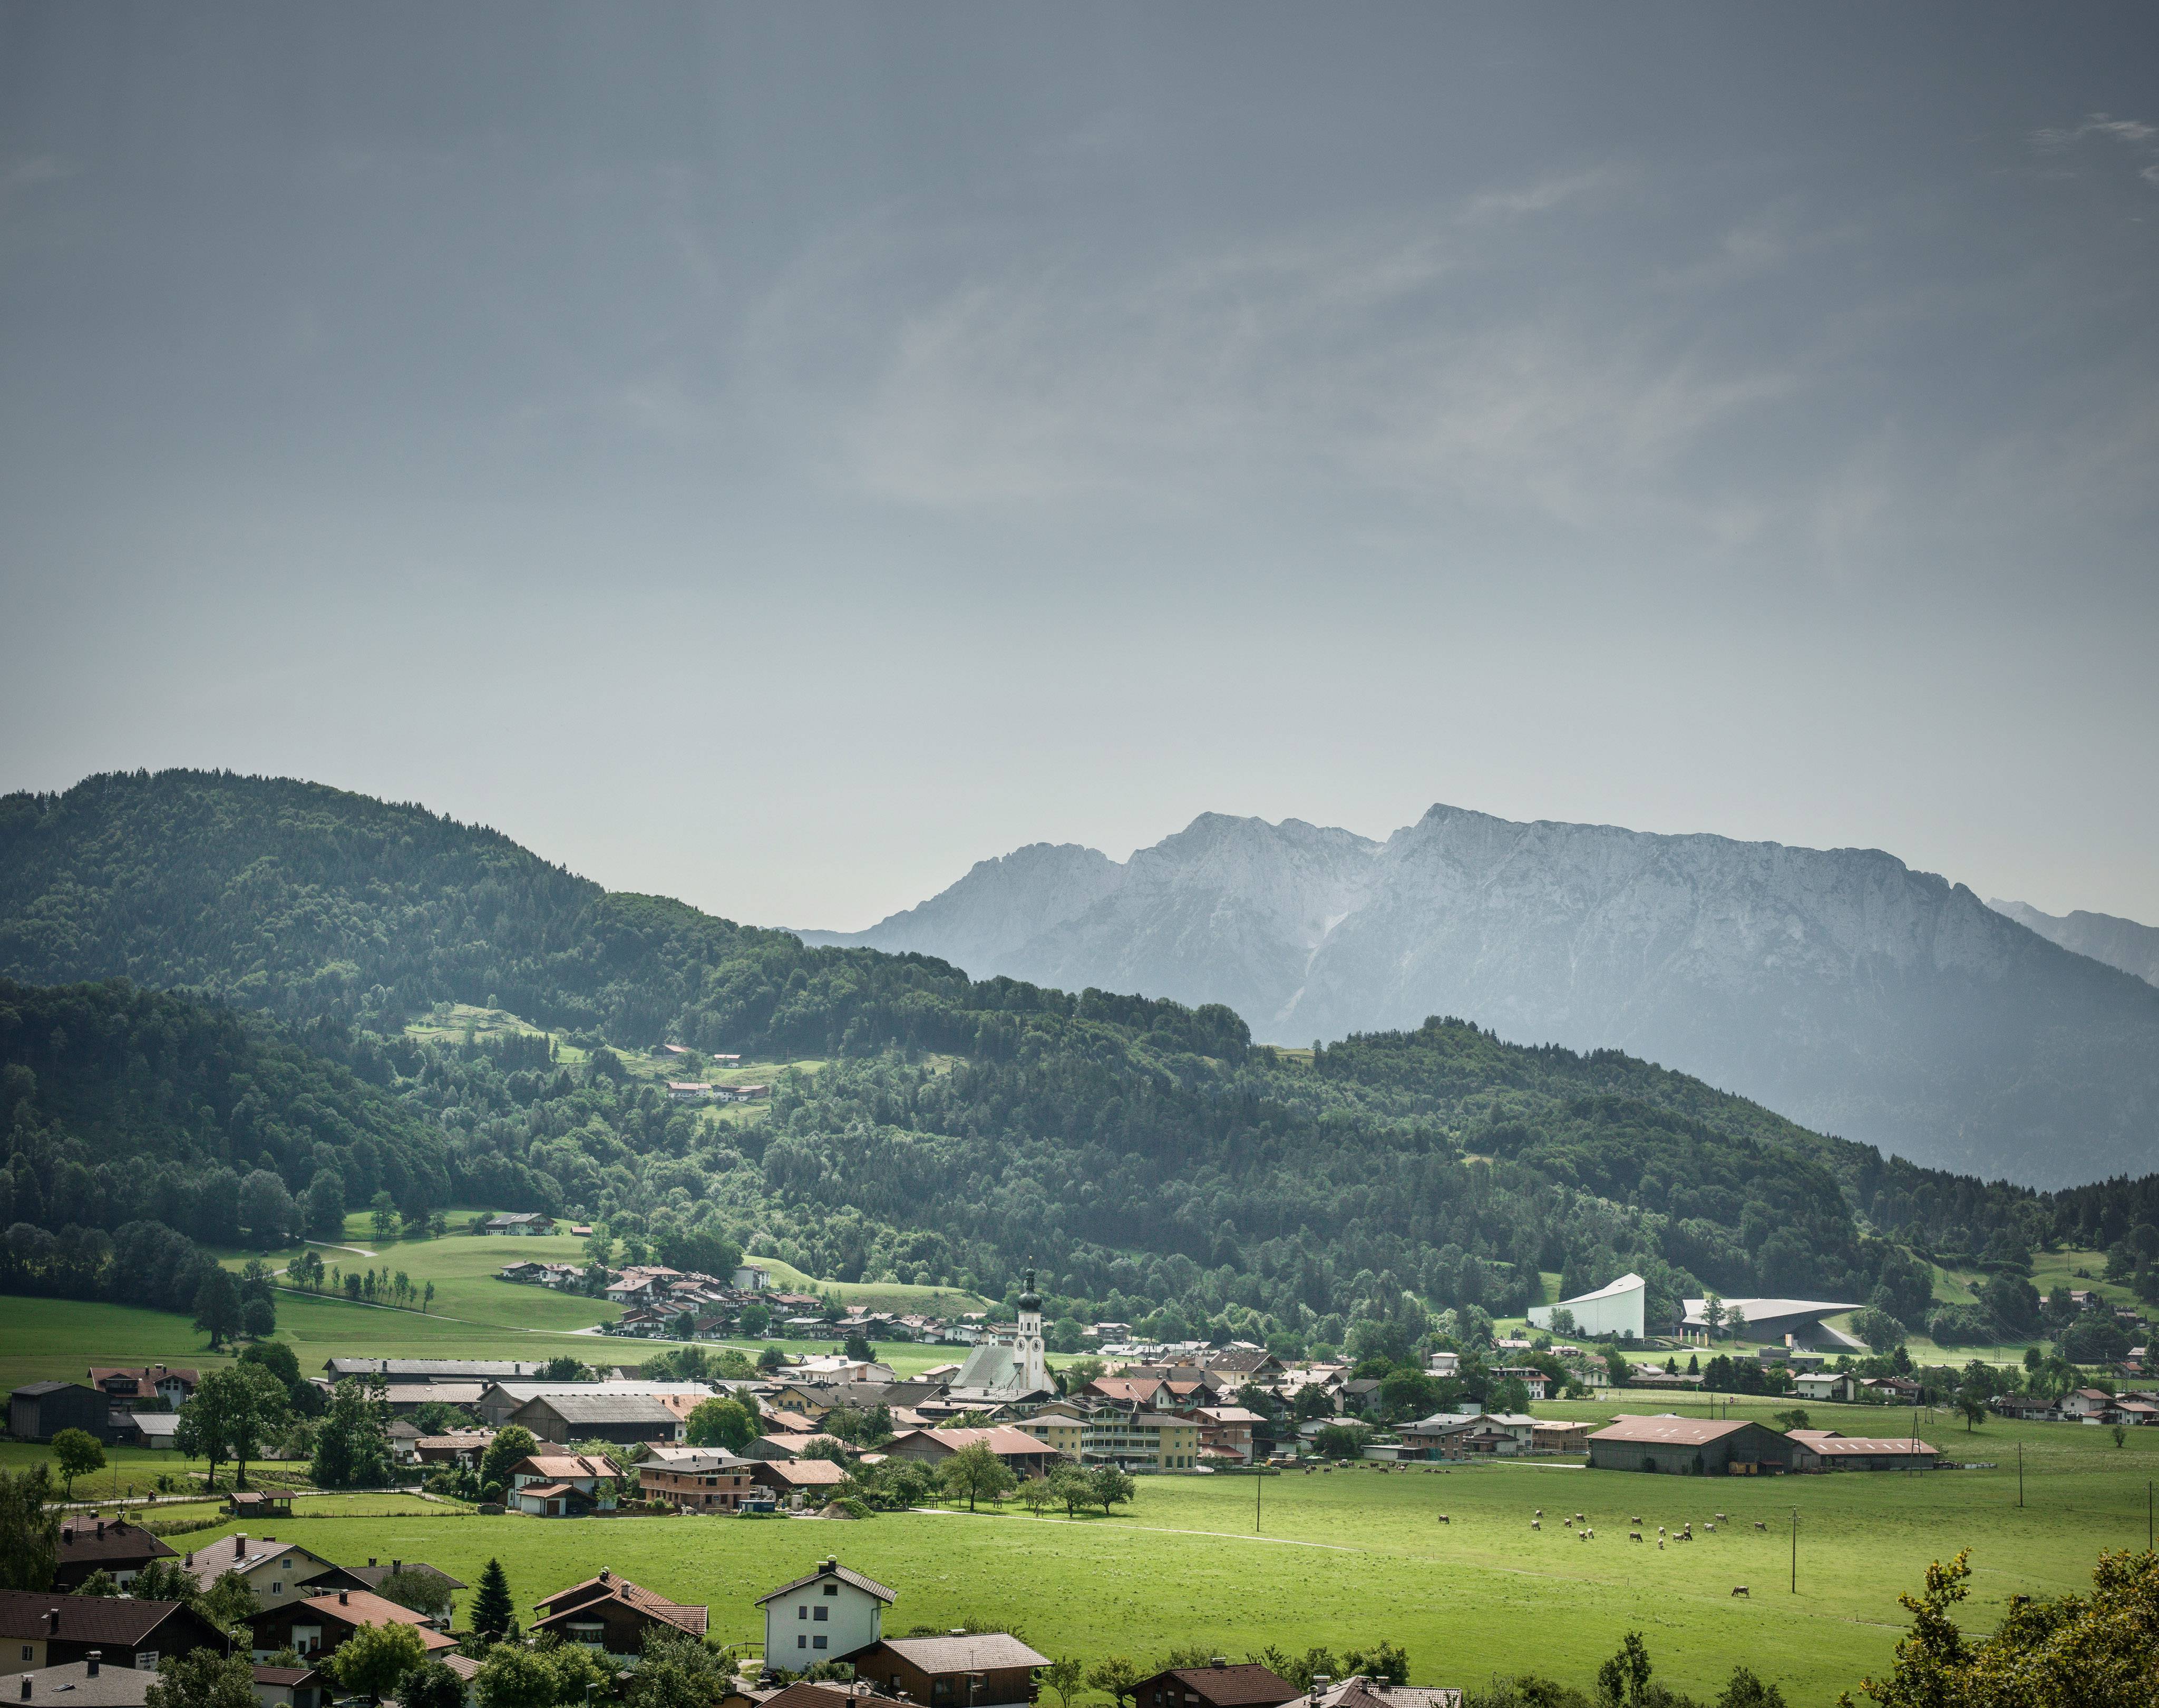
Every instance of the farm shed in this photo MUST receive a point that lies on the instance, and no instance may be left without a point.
(1691, 1446)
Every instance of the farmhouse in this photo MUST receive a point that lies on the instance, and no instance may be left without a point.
(1832, 1451)
(1362, 1692)
(374, 1572)
(560, 1485)
(38, 1628)
(1826, 1385)
(1690, 1446)
(399, 1371)
(982, 1669)
(499, 1402)
(1025, 1454)
(277, 1573)
(1619, 1307)
(113, 1546)
(797, 1479)
(148, 1386)
(834, 1611)
(518, 1222)
(1216, 1685)
(613, 1615)
(319, 1625)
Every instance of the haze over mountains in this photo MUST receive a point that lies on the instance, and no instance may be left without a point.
(2103, 937)
(1838, 986)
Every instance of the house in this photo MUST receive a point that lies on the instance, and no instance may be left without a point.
(466, 1448)
(1826, 1385)
(259, 1503)
(1831, 1452)
(319, 1625)
(803, 1694)
(374, 1573)
(1140, 1392)
(688, 1090)
(2090, 1403)
(1217, 1685)
(1137, 1441)
(613, 1615)
(157, 1429)
(1440, 1365)
(85, 1684)
(2029, 1408)
(2141, 1412)
(113, 1546)
(1227, 1429)
(786, 1447)
(982, 1669)
(1529, 1375)
(37, 1411)
(1691, 1446)
(526, 1271)
(832, 1612)
(750, 1278)
(39, 1630)
(277, 1573)
(1023, 1452)
(1894, 1390)
(1551, 1436)
(301, 1686)
(1453, 1434)
(696, 1479)
(600, 1417)
(151, 1385)
(796, 1480)
(561, 1485)
(518, 1222)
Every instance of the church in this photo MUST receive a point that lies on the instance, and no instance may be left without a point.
(1002, 1372)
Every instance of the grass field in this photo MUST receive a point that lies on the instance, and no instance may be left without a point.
(1358, 1554)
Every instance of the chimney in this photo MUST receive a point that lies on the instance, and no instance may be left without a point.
(190, 1560)
(95, 1656)
(605, 1575)
(26, 1687)
(1219, 1660)
(370, 1559)
(239, 1547)
(831, 1562)
(344, 1598)
(100, 1527)
(396, 1566)
(53, 1622)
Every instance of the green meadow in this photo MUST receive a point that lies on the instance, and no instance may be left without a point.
(1351, 1556)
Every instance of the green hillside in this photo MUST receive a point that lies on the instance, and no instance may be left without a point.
(495, 1018)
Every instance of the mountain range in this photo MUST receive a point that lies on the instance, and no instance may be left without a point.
(2103, 937)
(1838, 986)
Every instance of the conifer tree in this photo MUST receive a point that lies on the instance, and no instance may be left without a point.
(493, 1614)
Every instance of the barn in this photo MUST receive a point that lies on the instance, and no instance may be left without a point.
(1690, 1446)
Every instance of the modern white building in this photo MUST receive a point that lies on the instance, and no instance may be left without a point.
(1619, 1307)
(1794, 1322)
(830, 1613)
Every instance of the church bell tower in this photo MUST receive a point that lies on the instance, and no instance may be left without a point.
(1027, 1352)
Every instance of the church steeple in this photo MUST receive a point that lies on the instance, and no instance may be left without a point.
(1028, 1344)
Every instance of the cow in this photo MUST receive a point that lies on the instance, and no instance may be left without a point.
(1741, 1590)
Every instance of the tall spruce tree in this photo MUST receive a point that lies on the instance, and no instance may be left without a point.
(493, 1614)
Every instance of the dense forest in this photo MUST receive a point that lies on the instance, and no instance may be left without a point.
(1161, 1168)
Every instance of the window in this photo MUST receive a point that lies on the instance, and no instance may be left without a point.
(146, 1660)
(820, 1641)
(277, 1589)
(802, 1610)
(801, 1643)
(823, 1613)
(27, 1653)
(831, 1589)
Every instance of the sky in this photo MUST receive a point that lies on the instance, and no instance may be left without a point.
(778, 456)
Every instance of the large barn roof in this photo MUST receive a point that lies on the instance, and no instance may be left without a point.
(1670, 1432)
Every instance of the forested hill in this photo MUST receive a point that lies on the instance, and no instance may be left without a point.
(1142, 1151)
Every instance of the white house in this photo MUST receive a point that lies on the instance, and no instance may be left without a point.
(827, 1616)
(1826, 1384)
(1443, 1364)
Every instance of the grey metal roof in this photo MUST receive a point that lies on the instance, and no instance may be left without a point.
(115, 1686)
(606, 1408)
(981, 1652)
(830, 1568)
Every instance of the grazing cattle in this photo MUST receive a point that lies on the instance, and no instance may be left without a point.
(1539, 1513)
(1741, 1590)
(1578, 1518)
(1711, 1529)
(1660, 1531)
(1536, 1524)
(1759, 1525)
(1444, 1519)
(1636, 1520)
(1660, 1545)
(1720, 1518)
(1633, 1535)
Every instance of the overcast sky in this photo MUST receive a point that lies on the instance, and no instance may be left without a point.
(778, 456)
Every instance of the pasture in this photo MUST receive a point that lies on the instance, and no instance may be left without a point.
(1358, 1555)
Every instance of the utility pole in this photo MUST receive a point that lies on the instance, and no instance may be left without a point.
(2020, 1480)
(1258, 1479)
(1795, 1550)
